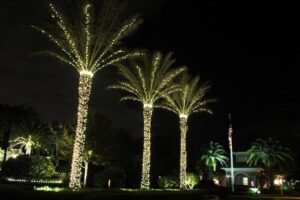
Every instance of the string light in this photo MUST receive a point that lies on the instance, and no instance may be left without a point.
(183, 153)
(85, 50)
(186, 101)
(147, 83)
(85, 72)
(145, 182)
(85, 84)
(34, 181)
(183, 116)
(148, 105)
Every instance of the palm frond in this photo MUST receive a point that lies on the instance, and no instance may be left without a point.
(147, 79)
(87, 42)
(268, 153)
(190, 97)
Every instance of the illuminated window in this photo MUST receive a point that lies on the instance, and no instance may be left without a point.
(245, 180)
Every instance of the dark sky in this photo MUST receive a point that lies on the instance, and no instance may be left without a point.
(250, 51)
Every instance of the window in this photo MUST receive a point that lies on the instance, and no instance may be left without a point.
(245, 180)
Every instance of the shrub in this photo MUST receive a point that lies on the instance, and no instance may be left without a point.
(29, 167)
(168, 182)
(191, 180)
(115, 175)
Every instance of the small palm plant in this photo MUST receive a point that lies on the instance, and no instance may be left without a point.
(213, 155)
(269, 154)
(88, 41)
(146, 82)
(191, 98)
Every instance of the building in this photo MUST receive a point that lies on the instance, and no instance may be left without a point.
(243, 173)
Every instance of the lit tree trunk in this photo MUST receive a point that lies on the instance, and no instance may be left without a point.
(86, 168)
(145, 182)
(85, 84)
(183, 131)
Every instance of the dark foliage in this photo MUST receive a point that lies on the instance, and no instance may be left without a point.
(29, 167)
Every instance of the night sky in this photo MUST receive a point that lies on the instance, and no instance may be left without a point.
(249, 51)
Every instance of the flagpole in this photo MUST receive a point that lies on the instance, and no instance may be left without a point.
(231, 155)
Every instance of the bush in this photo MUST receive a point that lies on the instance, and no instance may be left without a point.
(191, 180)
(29, 167)
(115, 175)
(168, 182)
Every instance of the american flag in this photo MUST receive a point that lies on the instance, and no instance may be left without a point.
(230, 131)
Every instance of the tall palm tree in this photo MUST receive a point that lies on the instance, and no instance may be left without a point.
(269, 154)
(191, 98)
(146, 82)
(213, 155)
(88, 41)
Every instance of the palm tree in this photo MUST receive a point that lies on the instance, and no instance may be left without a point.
(9, 117)
(191, 98)
(146, 82)
(269, 154)
(26, 143)
(88, 41)
(28, 135)
(213, 155)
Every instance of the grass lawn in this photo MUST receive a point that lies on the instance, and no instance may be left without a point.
(13, 192)
(262, 197)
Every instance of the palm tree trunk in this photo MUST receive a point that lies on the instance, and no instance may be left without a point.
(183, 154)
(85, 84)
(271, 178)
(210, 174)
(86, 168)
(145, 182)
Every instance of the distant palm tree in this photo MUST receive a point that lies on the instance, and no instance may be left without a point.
(28, 135)
(146, 82)
(9, 117)
(88, 41)
(191, 98)
(213, 155)
(26, 143)
(269, 154)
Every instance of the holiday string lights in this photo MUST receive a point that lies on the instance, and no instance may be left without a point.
(88, 45)
(183, 131)
(85, 84)
(145, 182)
(191, 98)
(146, 83)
